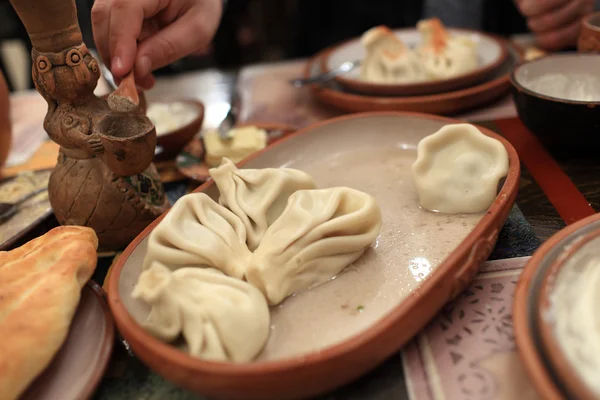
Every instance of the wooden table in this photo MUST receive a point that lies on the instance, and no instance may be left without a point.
(552, 194)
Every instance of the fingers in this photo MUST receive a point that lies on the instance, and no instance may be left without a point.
(559, 38)
(533, 8)
(126, 19)
(100, 28)
(569, 12)
(190, 32)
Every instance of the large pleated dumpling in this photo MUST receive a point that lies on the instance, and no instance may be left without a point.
(388, 60)
(257, 196)
(443, 55)
(319, 233)
(198, 232)
(219, 317)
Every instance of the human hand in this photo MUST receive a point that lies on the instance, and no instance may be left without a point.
(149, 34)
(555, 23)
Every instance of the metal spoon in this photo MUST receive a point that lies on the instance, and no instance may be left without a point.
(106, 74)
(324, 77)
(7, 210)
(230, 119)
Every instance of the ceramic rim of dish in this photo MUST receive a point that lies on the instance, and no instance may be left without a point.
(129, 327)
(356, 102)
(268, 126)
(559, 362)
(106, 346)
(420, 88)
(523, 317)
(586, 21)
(515, 82)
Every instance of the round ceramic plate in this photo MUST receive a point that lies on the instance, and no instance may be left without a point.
(555, 290)
(31, 213)
(496, 85)
(77, 368)
(492, 52)
(190, 162)
(331, 334)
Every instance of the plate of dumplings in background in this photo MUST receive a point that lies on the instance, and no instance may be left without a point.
(311, 262)
(424, 60)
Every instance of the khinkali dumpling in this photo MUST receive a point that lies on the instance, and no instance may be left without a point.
(444, 56)
(458, 169)
(221, 318)
(198, 232)
(319, 233)
(257, 196)
(388, 59)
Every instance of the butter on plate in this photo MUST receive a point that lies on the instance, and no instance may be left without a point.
(244, 141)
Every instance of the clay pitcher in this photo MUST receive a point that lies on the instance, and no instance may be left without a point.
(5, 127)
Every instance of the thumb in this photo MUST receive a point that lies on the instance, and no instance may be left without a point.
(184, 36)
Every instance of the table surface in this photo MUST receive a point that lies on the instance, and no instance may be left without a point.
(551, 195)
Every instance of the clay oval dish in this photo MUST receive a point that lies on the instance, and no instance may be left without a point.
(78, 367)
(497, 84)
(169, 144)
(341, 329)
(533, 325)
(492, 52)
(190, 162)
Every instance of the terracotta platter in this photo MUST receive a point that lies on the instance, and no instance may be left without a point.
(190, 162)
(492, 52)
(78, 367)
(555, 310)
(327, 336)
(452, 102)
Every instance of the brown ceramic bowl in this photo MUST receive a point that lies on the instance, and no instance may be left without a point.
(327, 336)
(559, 115)
(589, 35)
(492, 52)
(169, 144)
(448, 103)
(553, 374)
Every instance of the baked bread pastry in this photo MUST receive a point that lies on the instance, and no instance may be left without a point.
(40, 288)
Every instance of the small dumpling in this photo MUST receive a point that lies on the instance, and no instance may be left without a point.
(318, 234)
(388, 59)
(257, 196)
(220, 318)
(458, 169)
(198, 232)
(442, 55)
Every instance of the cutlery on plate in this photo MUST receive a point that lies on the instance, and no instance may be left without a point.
(232, 115)
(7, 210)
(324, 77)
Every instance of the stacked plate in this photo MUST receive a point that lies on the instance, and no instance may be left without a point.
(556, 313)
(490, 80)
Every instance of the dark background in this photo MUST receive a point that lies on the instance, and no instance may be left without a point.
(268, 30)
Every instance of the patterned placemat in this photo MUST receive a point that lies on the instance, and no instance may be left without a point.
(469, 351)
